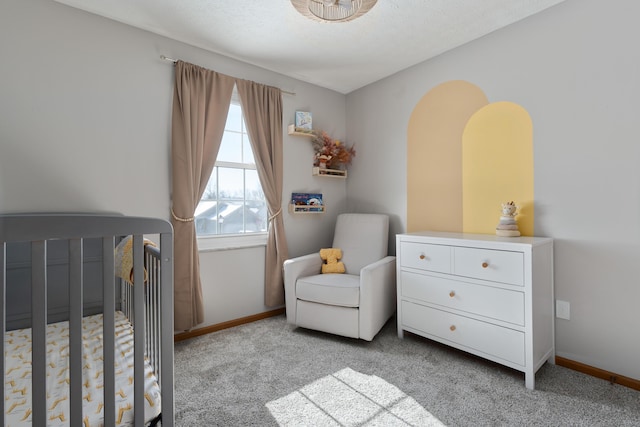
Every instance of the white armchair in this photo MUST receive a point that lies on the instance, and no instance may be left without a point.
(354, 304)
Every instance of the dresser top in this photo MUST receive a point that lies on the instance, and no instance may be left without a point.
(448, 237)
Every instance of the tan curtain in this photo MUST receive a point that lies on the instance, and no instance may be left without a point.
(200, 105)
(262, 107)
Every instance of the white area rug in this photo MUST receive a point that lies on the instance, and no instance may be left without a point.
(349, 398)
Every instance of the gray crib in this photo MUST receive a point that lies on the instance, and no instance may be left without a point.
(145, 304)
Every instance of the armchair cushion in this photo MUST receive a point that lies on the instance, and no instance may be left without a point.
(363, 238)
(332, 289)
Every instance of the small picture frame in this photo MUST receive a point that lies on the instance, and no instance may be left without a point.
(303, 120)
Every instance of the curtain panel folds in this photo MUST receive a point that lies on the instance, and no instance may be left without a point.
(262, 108)
(200, 106)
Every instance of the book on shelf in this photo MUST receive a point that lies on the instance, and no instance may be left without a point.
(306, 203)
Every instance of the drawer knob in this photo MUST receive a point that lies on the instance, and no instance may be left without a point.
(452, 294)
(452, 328)
(485, 264)
(422, 256)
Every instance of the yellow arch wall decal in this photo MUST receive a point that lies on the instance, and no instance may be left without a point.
(434, 153)
(497, 165)
(465, 157)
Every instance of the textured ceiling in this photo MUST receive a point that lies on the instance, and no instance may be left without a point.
(394, 35)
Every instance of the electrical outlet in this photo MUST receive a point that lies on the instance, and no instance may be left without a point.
(563, 309)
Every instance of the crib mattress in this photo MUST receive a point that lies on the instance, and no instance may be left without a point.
(18, 375)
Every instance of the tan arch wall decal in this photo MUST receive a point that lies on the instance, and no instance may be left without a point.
(465, 157)
(497, 165)
(434, 153)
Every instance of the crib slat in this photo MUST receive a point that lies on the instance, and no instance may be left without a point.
(156, 308)
(3, 324)
(155, 304)
(108, 330)
(147, 310)
(153, 286)
(75, 330)
(39, 332)
(138, 330)
(166, 357)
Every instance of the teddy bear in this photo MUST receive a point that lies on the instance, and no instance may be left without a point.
(330, 256)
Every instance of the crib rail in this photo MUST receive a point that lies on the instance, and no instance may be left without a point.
(41, 228)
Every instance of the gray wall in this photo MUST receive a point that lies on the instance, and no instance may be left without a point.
(85, 118)
(574, 68)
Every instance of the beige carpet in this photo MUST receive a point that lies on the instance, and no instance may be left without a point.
(349, 398)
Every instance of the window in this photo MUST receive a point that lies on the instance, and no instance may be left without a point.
(233, 202)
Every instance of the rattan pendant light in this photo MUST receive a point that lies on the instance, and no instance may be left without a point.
(333, 10)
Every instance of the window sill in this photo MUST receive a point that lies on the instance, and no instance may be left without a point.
(237, 241)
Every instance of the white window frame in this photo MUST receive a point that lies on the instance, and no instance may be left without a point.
(209, 243)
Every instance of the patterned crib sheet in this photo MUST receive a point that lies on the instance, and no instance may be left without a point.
(18, 375)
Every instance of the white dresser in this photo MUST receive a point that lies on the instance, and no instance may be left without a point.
(487, 295)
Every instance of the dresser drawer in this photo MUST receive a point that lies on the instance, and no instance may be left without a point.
(426, 256)
(503, 343)
(495, 303)
(488, 264)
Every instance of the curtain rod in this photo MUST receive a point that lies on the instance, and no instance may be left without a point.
(175, 60)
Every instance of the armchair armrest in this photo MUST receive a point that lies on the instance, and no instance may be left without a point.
(294, 268)
(377, 295)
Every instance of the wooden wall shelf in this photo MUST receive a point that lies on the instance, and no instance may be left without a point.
(305, 209)
(293, 130)
(331, 173)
